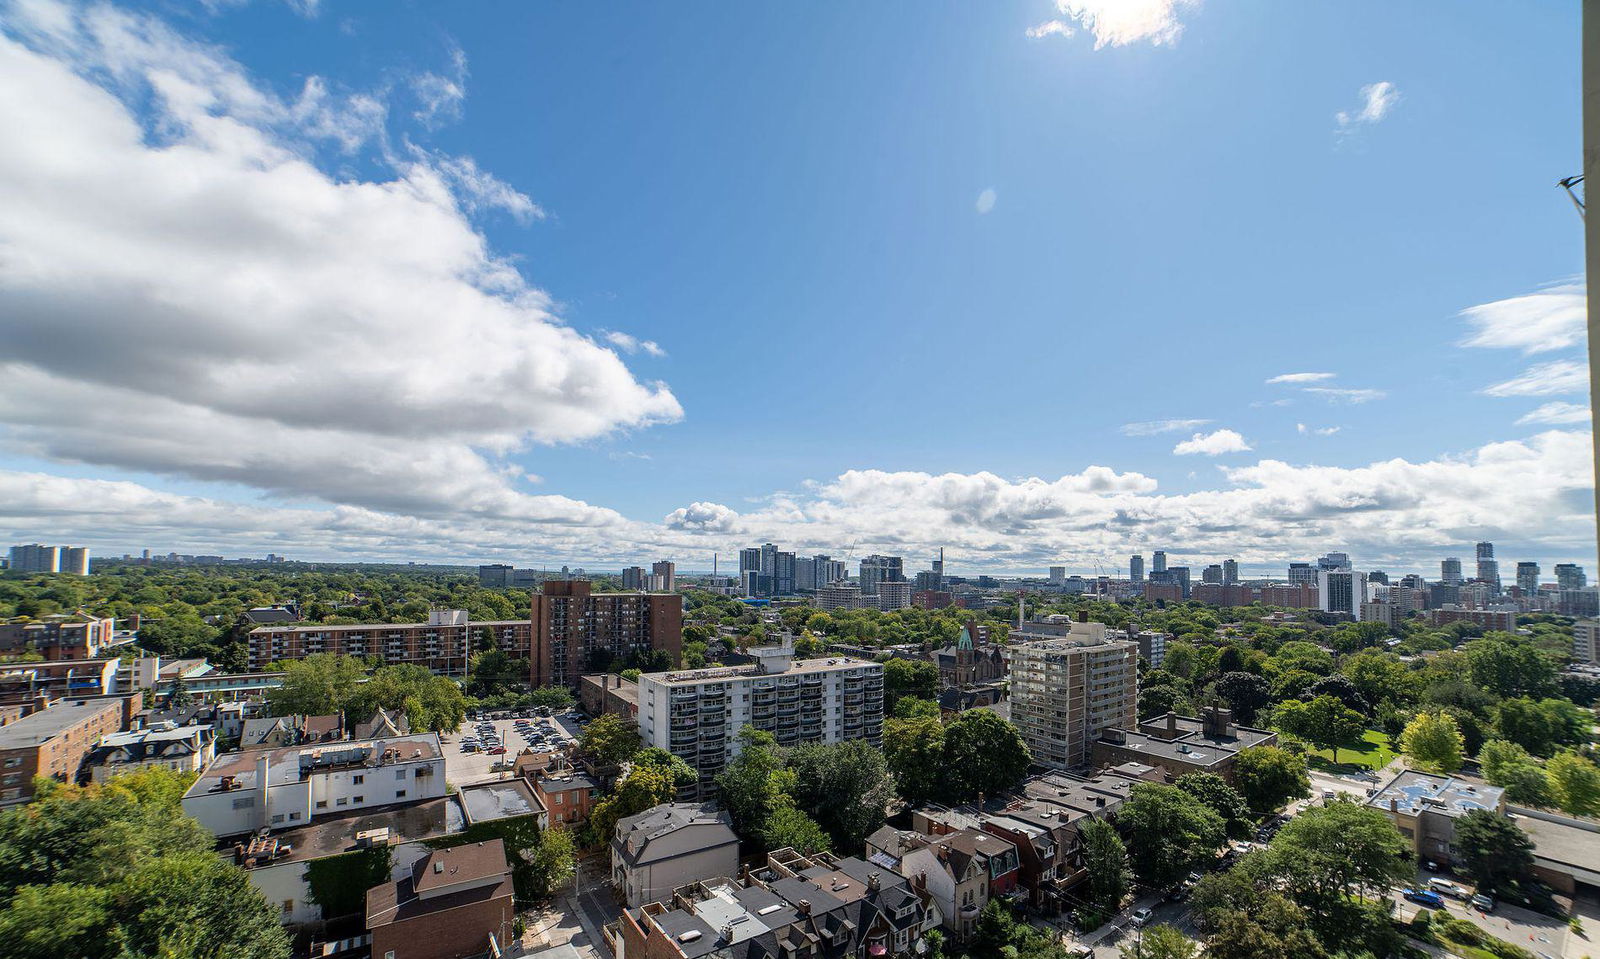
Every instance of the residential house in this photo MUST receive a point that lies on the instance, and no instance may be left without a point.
(455, 903)
(671, 845)
(187, 749)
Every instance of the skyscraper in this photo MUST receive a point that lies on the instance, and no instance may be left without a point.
(1158, 561)
(1230, 572)
(1212, 574)
(1302, 574)
(1334, 561)
(36, 558)
(1058, 575)
(1450, 571)
(877, 569)
(1570, 576)
(1136, 568)
(1342, 591)
(75, 560)
(668, 571)
(1488, 569)
(1528, 578)
(633, 577)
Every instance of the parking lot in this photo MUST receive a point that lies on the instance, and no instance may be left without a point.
(466, 767)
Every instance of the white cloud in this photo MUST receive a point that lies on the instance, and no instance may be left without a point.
(1377, 99)
(183, 293)
(1545, 379)
(1300, 378)
(1557, 414)
(703, 518)
(1117, 23)
(440, 97)
(1156, 427)
(632, 344)
(1212, 444)
(1335, 395)
(1551, 319)
(986, 200)
(1305, 430)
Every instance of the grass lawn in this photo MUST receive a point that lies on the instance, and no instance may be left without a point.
(1374, 753)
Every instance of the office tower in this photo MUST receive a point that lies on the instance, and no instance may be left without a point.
(1570, 576)
(1378, 576)
(1058, 575)
(668, 572)
(749, 560)
(1158, 561)
(1334, 561)
(576, 631)
(1212, 574)
(1302, 574)
(877, 569)
(1488, 568)
(1068, 682)
(633, 578)
(1341, 591)
(1450, 571)
(35, 558)
(75, 560)
(697, 714)
(494, 576)
(1586, 641)
(805, 573)
(1528, 578)
(1136, 568)
(1230, 572)
(1412, 581)
(783, 573)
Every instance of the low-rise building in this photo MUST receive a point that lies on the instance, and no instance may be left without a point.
(967, 663)
(35, 684)
(289, 786)
(185, 749)
(64, 637)
(567, 794)
(669, 846)
(455, 903)
(601, 693)
(1425, 808)
(959, 869)
(1179, 745)
(53, 743)
(1499, 618)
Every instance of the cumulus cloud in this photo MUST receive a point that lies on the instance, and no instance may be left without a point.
(1556, 414)
(703, 518)
(1336, 395)
(986, 200)
(1156, 427)
(1305, 430)
(184, 293)
(1212, 444)
(1117, 23)
(1300, 378)
(1545, 379)
(1551, 319)
(1377, 99)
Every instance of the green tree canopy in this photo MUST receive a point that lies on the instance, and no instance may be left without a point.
(610, 740)
(844, 786)
(1493, 850)
(982, 753)
(1169, 832)
(1268, 777)
(1433, 741)
(1574, 783)
(1222, 799)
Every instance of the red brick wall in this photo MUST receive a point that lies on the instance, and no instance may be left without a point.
(451, 934)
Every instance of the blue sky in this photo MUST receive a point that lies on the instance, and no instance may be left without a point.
(898, 261)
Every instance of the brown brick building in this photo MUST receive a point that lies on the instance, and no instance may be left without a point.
(440, 644)
(53, 742)
(576, 631)
(59, 637)
(453, 904)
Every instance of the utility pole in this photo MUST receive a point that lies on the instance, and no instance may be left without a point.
(1591, 228)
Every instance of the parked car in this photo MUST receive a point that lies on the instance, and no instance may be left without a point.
(1140, 917)
(1423, 897)
(498, 751)
(1482, 903)
(1445, 887)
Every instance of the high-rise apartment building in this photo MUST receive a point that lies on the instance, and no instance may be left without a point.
(1230, 572)
(668, 571)
(1136, 568)
(877, 569)
(1058, 575)
(74, 560)
(697, 714)
(1586, 641)
(1342, 591)
(1334, 561)
(1068, 682)
(1528, 578)
(1302, 574)
(1450, 571)
(36, 558)
(576, 631)
(1488, 568)
(441, 644)
(633, 577)
(1570, 576)
(1158, 561)
(1212, 574)
(893, 596)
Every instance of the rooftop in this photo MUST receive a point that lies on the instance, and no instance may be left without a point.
(1414, 791)
(1563, 840)
(288, 764)
(723, 673)
(444, 879)
(47, 724)
(499, 800)
(333, 836)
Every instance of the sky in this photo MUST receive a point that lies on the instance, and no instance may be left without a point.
(1043, 282)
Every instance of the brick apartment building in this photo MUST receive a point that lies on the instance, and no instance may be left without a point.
(36, 685)
(457, 902)
(440, 644)
(53, 742)
(576, 631)
(58, 638)
(514, 637)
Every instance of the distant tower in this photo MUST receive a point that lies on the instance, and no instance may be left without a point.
(1230, 572)
(1450, 571)
(1136, 568)
(1488, 569)
(1158, 561)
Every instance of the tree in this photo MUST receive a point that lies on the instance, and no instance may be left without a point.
(914, 751)
(913, 707)
(754, 786)
(553, 698)
(642, 788)
(493, 672)
(1509, 766)
(1508, 667)
(788, 826)
(1574, 783)
(610, 740)
(1433, 741)
(1222, 799)
(1169, 832)
(909, 677)
(430, 702)
(180, 697)
(1340, 688)
(1245, 693)
(1493, 850)
(551, 863)
(318, 685)
(1324, 722)
(1106, 860)
(982, 753)
(1337, 852)
(1161, 942)
(1543, 725)
(844, 786)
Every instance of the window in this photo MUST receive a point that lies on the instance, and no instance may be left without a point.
(293, 816)
(278, 818)
(341, 801)
(246, 802)
(358, 779)
(288, 906)
(322, 804)
(12, 762)
(399, 794)
(360, 799)
(399, 774)
(558, 799)
(388, 954)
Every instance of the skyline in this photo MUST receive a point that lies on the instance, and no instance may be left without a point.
(1040, 287)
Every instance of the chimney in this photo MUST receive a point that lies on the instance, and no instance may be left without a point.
(1394, 805)
(803, 907)
(263, 767)
(1172, 725)
(873, 880)
(1083, 615)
